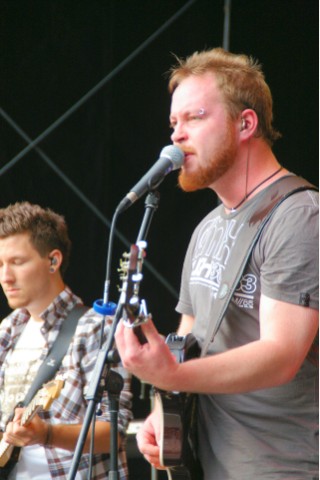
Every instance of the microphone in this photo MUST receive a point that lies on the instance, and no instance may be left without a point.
(171, 158)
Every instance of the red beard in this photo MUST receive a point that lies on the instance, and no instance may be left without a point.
(218, 165)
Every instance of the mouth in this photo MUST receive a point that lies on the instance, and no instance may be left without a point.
(11, 291)
(188, 154)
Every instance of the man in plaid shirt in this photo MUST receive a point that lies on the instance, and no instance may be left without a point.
(34, 254)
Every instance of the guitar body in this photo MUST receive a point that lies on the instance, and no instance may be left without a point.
(177, 442)
(8, 460)
(179, 430)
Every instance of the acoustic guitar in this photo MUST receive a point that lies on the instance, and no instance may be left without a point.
(179, 413)
(178, 425)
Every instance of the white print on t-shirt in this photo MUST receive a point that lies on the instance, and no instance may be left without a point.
(214, 243)
(244, 294)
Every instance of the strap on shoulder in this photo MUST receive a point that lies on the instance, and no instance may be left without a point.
(58, 350)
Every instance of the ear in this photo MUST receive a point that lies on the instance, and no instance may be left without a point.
(248, 124)
(55, 259)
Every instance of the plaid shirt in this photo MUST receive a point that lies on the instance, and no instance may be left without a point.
(76, 369)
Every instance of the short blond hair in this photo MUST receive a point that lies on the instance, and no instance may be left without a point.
(239, 78)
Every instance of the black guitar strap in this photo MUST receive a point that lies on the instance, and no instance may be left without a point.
(58, 350)
(248, 236)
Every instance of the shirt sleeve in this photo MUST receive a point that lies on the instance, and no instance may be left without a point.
(79, 369)
(125, 395)
(184, 305)
(289, 247)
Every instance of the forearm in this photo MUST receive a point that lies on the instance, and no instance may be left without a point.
(287, 333)
(66, 436)
(254, 366)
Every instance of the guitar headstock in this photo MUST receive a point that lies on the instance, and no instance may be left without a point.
(131, 276)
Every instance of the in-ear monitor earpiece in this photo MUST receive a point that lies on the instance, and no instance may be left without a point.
(243, 124)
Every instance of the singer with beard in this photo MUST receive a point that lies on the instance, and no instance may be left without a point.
(257, 405)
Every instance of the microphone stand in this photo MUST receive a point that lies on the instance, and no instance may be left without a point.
(103, 378)
(151, 204)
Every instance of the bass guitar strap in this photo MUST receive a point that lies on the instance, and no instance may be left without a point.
(52, 362)
(248, 236)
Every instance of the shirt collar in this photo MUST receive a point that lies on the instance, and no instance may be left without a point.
(58, 310)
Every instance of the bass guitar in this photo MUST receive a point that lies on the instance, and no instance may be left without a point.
(9, 454)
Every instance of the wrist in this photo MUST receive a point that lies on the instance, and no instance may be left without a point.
(48, 437)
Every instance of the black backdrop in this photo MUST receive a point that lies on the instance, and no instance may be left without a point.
(88, 77)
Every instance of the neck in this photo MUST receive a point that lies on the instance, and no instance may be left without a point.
(250, 193)
(253, 171)
(37, 307)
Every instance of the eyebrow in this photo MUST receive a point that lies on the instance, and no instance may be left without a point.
(197, 111)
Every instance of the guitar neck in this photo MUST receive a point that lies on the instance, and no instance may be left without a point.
(30, 411)
(6, 449)
(9, 455)
(139, 333)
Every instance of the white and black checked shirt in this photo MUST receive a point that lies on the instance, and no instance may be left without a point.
(76, 369)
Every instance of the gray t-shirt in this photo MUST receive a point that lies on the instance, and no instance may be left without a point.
(272, 433)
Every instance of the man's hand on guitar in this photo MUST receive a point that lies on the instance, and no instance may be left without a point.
(144, 360)
(34, 433)
(148, 439)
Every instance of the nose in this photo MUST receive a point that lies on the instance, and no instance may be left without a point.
(6, 275)
(179, 134)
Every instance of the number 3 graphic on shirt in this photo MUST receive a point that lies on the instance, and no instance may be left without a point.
(248, 284)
